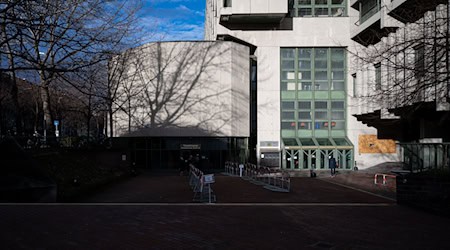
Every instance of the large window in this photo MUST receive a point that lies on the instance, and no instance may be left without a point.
(377, 76)
(313, 92)
(313, 69)
(419, 67)
(368, 8)
(302, 8)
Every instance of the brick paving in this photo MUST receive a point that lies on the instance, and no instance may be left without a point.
(316, 215)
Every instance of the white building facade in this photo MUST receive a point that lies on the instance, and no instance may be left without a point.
(304, 101)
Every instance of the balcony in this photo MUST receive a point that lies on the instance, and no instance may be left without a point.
(254, 12)
(409, 11)
(373, 23)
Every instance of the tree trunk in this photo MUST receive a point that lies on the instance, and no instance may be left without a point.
(45, 95)
(110, 111)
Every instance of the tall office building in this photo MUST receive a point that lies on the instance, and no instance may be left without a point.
(302, 60)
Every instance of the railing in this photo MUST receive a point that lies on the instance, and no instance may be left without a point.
(423, 156)
(385, 176)
(271, 179)
(200, 185)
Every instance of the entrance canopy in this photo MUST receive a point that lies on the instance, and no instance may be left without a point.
(317, 143)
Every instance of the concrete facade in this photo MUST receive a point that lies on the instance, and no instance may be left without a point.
(179, 89)
(301, 32)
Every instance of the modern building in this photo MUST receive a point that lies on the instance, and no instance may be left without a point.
(402, 76)
(183, 99)
(302, 54)
(297, 81)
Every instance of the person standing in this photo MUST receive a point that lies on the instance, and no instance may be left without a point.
(332, 165)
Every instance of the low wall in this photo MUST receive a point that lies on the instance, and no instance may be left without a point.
(429, 191)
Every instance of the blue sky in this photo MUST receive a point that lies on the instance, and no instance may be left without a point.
(174, 20)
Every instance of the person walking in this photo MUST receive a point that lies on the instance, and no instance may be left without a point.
(332, 165)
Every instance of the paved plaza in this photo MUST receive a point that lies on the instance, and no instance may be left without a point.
(156, 212)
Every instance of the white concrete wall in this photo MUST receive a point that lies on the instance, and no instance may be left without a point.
(256, 7)
(306, 32)
(199, 90)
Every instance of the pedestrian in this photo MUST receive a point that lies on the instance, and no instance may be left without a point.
(332, 165)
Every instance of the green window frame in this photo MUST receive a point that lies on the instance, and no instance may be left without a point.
(317, 8)
(313, 82)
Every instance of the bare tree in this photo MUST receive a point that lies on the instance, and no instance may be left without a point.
(56, 37)
(412, 64)
(165, 83)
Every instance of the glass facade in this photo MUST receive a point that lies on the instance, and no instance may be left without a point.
(305, 8)
(313, 107)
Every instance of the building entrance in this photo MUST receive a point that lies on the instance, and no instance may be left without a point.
(297, 156)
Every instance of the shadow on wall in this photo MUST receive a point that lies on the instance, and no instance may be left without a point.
(177, 89)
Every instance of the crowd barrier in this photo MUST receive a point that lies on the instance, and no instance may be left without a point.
(201, 185)
(375, 178)
(272, 179)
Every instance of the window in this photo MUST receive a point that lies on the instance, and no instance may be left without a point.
(378, 76)
(419, 64)
(226, 3)
(313, 85)
(302, 8)
(368, 8)
(354, 84)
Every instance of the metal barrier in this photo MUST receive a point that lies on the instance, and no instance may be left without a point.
(274, 180)
(201, 185)
(375, 178)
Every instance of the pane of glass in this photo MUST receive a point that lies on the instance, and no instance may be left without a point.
(338, 86)
(304, 115)
(291, 86)
(337, 1)
(321, 86)
(337, 105)
(321, 12)
(305, 125)
(287, 53)
(304, 75)
(287, 105)
(337, 115)
(337, 53)
(304, 105)
(338, 125)
(321, 1)
(304, 12)
(337, 11)
(321, 125)
(288, 125)
(307, 142)
(321, 115)
(337, 75)
(320, 64)
(341, 142)
(304, 64)
(288, 64)
(321, 53)
(287, 115)
(305, 86)
(321, 105)
(337, 64)
(324, 142)
(321, 75)
(304, 53)
(287, 75)
(290, 142)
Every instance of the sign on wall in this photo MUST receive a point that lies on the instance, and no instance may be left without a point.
(269, 144)
(370, 144)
